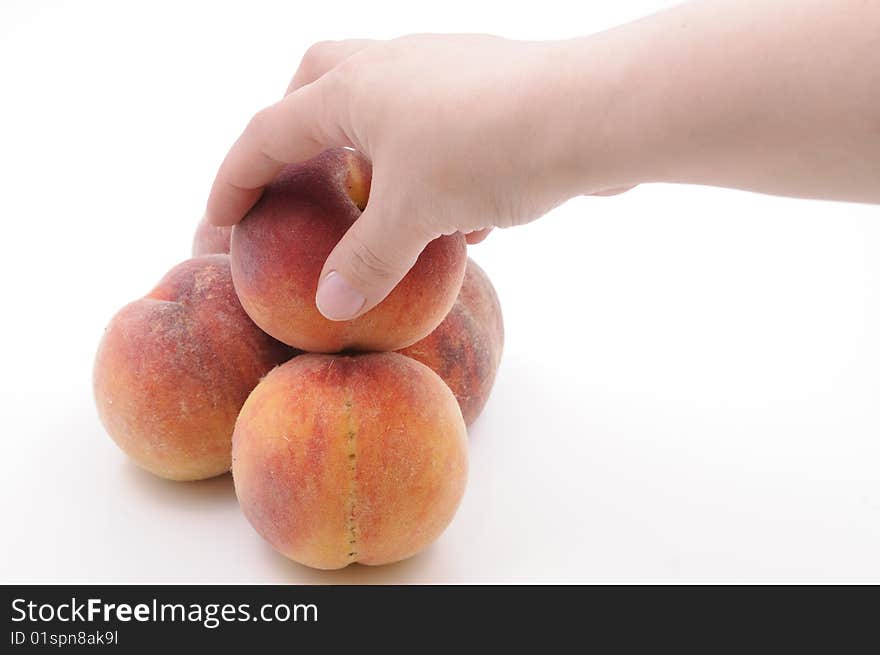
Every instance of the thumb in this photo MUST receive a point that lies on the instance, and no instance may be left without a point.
(368, 262)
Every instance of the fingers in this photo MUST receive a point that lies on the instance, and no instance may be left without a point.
(477, 235)
(322, 57)
(287, 132)
(368, 262)
(612, 192)
(296, 128)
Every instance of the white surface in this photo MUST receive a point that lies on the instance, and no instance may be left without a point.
(688, 393)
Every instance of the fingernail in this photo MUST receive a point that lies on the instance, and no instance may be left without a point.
(337, 299)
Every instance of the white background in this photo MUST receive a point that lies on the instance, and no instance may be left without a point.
(690, 383)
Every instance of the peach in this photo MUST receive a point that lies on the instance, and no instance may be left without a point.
(279, 249)
(465, 349)
(350, 458)
(174, 368)
(210, 239)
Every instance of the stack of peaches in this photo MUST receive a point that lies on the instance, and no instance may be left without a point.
(346, 440)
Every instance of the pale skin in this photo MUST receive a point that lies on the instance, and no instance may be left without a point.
(471, 132)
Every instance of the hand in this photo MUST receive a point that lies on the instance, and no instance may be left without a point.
(463, 132)
(470, 132)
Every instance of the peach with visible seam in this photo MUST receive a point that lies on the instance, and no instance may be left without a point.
(350, 458)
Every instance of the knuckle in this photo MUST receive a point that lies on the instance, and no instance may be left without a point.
(314, 55)
(259, 121)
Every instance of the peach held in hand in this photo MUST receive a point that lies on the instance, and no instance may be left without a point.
(175, 367)
(465, 349)
(279, 249)
(350, 458)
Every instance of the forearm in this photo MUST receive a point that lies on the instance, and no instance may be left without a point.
(781, 96)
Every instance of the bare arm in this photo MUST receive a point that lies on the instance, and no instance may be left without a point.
(777, 96)
(471, 132)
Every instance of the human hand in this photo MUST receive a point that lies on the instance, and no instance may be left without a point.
(465, 133)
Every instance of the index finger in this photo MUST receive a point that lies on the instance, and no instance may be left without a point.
(290, 131)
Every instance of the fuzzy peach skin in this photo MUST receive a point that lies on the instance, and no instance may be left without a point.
(279, 248)
(465, 349)
(210, 239)
(350, 458)
(175, 367)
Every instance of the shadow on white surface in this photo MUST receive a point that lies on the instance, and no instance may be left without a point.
(288, 571)
(205, 496)
(196, 495)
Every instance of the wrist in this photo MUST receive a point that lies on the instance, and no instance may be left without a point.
(596, 122)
